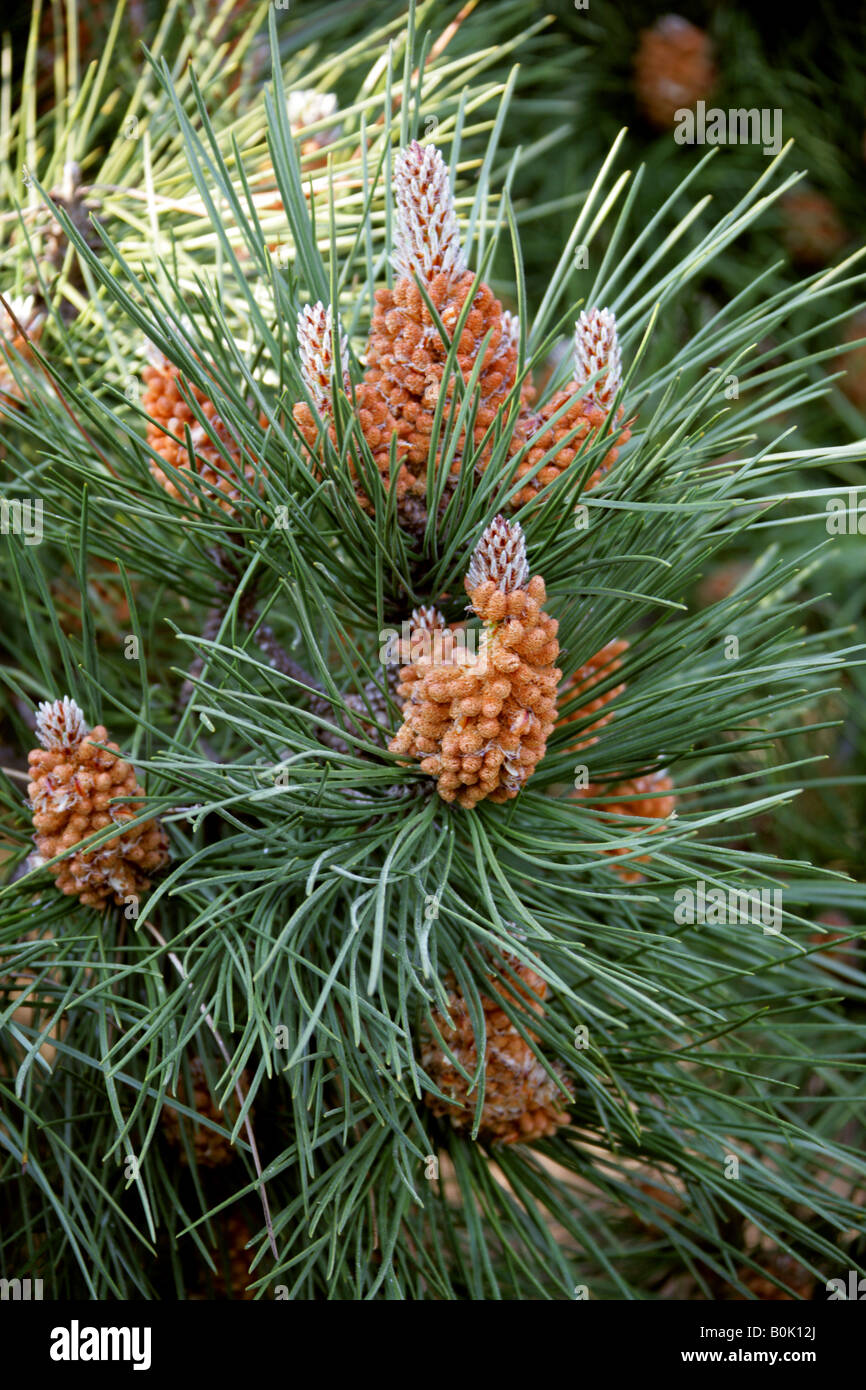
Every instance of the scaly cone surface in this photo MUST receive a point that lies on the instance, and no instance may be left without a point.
(479, 720)
(585, 405)
(220, 469)
(73, 786)
(811, 227)
(592, 673)
(521, 1102)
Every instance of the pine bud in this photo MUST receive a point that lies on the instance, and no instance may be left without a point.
(73, 793)
(428, 235)
(596, 349)
(510, 328)
(60, 725)
(427, 619)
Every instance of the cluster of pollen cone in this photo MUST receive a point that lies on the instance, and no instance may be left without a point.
(479, 700)
(78, 788)
(522, 1101)
(177, 434)
(435, 330)
(479, 719)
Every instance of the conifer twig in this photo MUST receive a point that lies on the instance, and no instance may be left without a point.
(251, 1138)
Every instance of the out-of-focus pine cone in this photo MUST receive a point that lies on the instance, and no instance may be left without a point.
(479, 720)
(648, 796)
(811, 227)
(237, 1233)
(212, 1150)
(836, 943)
(229, 1282)
(592, 673)
(656, 1187)
(73, 786)
(521, 1102)
(38, 1006)
(674, 67)
(219, 468)
(721, 582)
(93, 22)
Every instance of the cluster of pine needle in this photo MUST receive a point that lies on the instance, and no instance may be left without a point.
(277, 1020)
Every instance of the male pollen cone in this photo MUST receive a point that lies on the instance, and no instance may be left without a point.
(521, 1102)
(220, 469)
(673, 68)
(599, 666)
(649, 796)
(587, 401)
(71, 792)
(479, 720)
